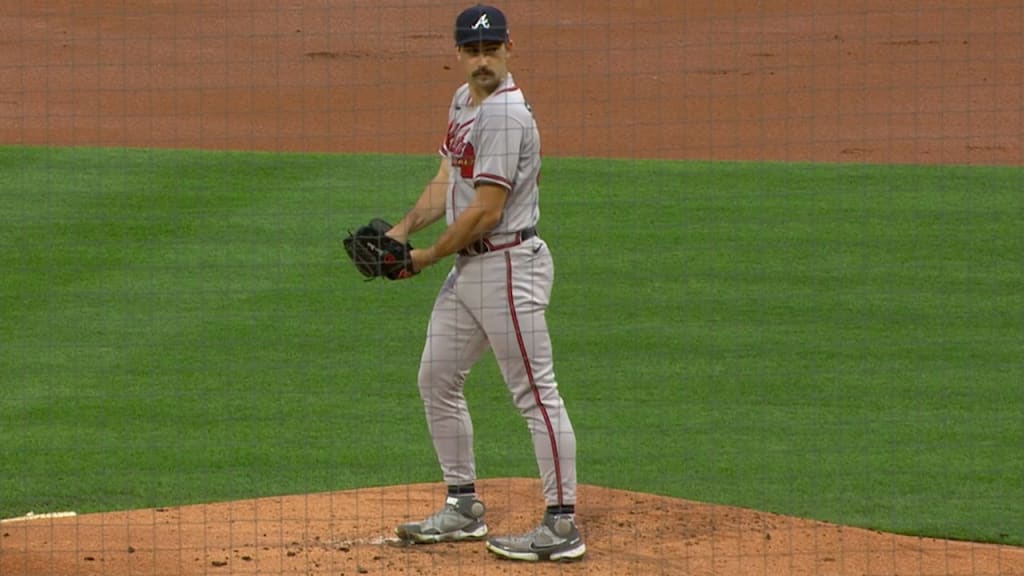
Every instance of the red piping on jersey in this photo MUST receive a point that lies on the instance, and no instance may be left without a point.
(503, 90)
(529, 376)
(494, 178)
(469, 97)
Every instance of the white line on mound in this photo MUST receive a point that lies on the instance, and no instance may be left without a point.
(371, 541)
(34, 516)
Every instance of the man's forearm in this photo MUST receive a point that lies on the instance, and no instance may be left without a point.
(429, 208)
(472, 224)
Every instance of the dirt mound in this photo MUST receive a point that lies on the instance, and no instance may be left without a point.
(349, 533)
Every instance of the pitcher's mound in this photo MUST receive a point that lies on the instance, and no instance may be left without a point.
(351, 533)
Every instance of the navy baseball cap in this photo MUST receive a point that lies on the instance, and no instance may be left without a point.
(480, 24)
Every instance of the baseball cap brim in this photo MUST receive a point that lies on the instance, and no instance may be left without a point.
(478, 38)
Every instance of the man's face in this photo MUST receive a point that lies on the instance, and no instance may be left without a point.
(485, 64)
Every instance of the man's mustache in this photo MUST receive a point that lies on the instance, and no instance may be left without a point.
(482, 71)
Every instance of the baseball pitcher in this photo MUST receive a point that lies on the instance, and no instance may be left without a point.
(494, 297)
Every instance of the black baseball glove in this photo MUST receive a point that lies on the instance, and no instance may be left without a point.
(376, 254)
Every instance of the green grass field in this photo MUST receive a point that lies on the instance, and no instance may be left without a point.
(841, 342)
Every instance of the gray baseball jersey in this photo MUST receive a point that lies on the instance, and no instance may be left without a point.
(498, 143)
(497, 299)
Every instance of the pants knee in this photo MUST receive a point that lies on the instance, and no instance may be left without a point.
(440, 386)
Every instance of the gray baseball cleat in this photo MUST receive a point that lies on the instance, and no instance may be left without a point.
(556, 539)
(461, 519)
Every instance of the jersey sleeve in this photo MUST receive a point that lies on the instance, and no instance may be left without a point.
(499, 136)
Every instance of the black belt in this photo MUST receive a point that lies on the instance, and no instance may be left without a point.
(484, 245)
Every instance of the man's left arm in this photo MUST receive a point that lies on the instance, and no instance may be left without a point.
(473, 223)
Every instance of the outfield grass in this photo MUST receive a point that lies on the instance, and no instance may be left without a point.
(842, 342)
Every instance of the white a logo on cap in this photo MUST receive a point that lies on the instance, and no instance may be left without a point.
(482, 22)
